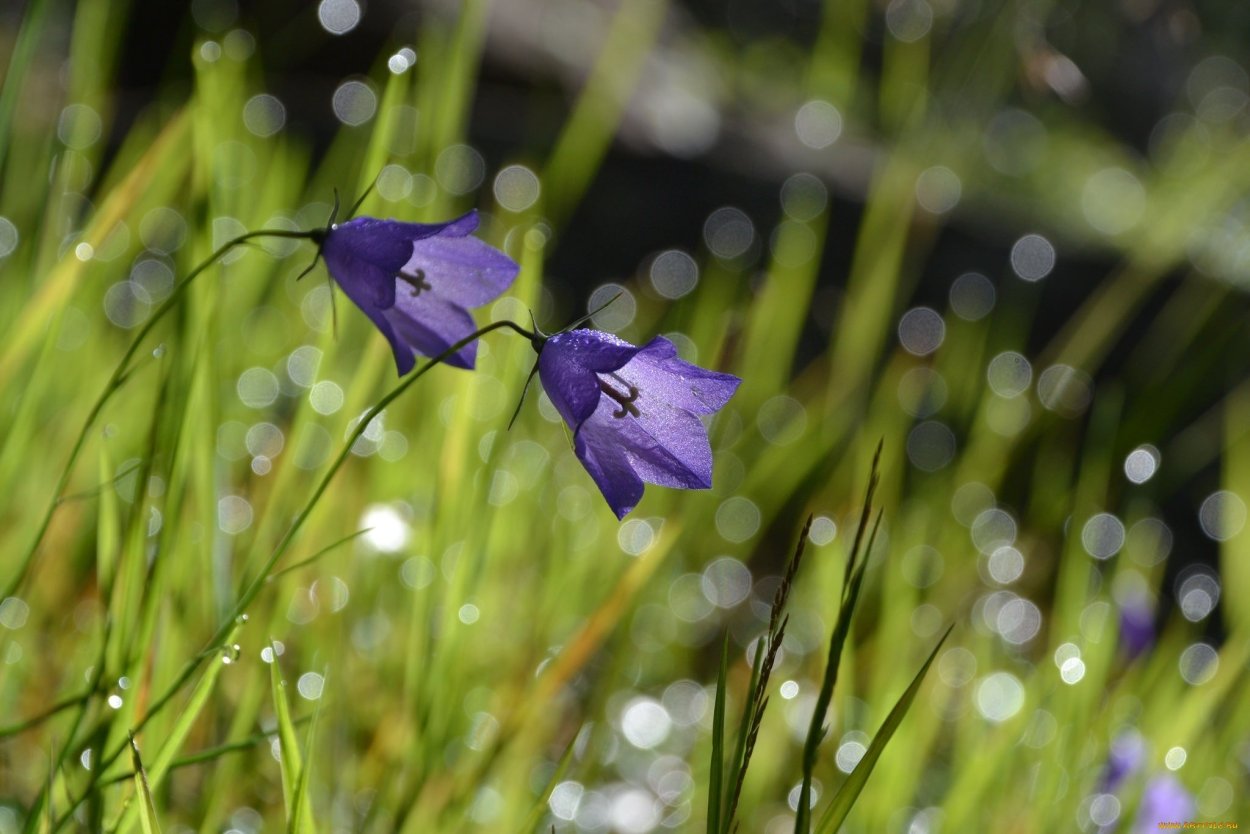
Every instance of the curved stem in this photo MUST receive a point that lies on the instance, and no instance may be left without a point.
(52, 711)
(254, 585)
(119, 377)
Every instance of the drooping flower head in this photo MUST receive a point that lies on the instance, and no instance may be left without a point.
(634, 411)
(417, 281)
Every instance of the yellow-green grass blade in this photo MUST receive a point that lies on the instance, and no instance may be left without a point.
(535, 816)
(303, 819)
(199, 699)
(716, 770)
(147, 808)
(291, 760)
(586, 135)
(834, 815)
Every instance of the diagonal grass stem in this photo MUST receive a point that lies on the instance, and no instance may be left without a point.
(253, 586)
(120, 375)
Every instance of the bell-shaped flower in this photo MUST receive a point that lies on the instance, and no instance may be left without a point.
(417, 281)
(634, 411)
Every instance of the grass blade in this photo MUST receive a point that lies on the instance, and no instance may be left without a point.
(302, 820)
(290, 759)
(303, 563)
(761, 673)
(844, 799)
(253, 586)
(734, 772)
(535, 815)
(147, 808)
(716, 772)
(856, 564)
(213, 753)
(181, 729)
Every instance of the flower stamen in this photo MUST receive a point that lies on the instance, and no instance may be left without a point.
(626, 401)
(416, 281)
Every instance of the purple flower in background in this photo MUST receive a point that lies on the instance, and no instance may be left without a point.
(1137, 627)
(1127, 753)
(416, 281)
(633, 411)
(1165, 800)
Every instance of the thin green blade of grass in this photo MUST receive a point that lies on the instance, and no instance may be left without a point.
(817, 729)
(384, 136)
(98, 490)
(857, 561)
(303, 819)
(833, 817)
(22, 425)
(761, 673)
(1235, 549)
(303, 563)
(121, 373)
(43, 802)
(290, 759)
(214, 753)
(165, 154)
(733, 772)
(108, 524)
(178, 734)
(137, 594)
(589, 130)
(834, 61)
(35, 720)
(147, 808)
(876, 272)
(777, 313)
(716, 772)
(252, 587)
(29, 34)
(48, 815)
(535, 816)
(445, 94)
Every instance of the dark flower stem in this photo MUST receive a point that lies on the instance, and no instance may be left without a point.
(256, 583)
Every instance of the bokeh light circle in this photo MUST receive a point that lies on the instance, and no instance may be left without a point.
(354, 103)
(1032, 257)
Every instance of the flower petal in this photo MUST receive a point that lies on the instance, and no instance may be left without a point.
(361, 295)
(373, 238)
(665, 446)
(657, 371)
(385, 245)
(463, 270)
(671, 450)
(368, 285)
(610, 469)
(568, 365)
(431, 325)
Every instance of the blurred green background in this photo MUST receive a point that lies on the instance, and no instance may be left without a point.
(1009, 239)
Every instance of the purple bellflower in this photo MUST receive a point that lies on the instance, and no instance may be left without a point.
(634, 411)
(416, 281)
(1127, 753)
(1137, 627)
(1165, 800)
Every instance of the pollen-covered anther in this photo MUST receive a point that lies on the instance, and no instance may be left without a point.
(626, 401)
(416, 281)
